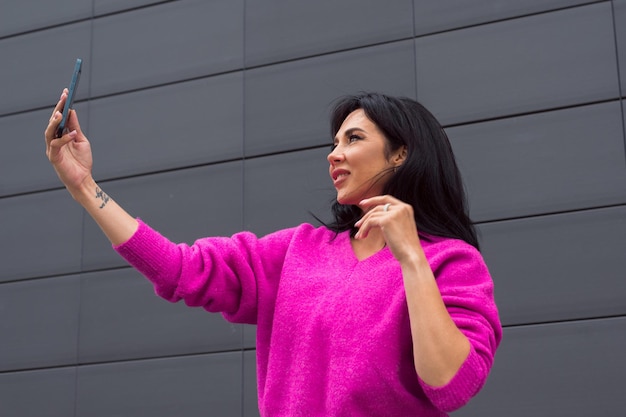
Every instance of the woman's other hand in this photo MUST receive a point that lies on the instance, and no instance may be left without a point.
(397, 223)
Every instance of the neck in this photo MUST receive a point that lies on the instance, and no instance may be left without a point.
(368, 246)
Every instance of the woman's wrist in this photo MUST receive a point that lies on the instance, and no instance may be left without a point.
(114, 221)
(414, 258)
(85, 192)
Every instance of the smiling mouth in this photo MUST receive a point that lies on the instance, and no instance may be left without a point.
(339, 179)
(339, 173)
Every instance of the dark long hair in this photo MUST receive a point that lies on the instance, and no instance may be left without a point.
(428, 179)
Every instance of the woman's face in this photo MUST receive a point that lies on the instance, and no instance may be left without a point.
(359, 166)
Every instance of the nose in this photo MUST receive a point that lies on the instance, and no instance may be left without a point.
(335, 156)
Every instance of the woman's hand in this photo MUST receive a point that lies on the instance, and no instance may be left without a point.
(71, 158)
(397, 223)
(70, 155)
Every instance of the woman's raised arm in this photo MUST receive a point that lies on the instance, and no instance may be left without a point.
(71, 157)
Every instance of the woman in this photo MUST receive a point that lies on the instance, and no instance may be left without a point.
(388, 311)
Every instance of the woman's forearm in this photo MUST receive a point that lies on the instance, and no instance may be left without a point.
(115, 222)
(439, 347)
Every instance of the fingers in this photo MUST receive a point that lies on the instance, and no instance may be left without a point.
(61, 102)
(51, 130)
(377, 201)
(55, 118)
(380, 211)
(72, 122)
(66, 138)
(53, 148)
(374, 217)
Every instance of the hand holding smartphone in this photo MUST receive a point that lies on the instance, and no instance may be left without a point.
(70, 97)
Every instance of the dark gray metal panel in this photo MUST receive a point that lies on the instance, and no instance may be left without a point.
(438, 15)
(182, 386)
(26, 82)
(183, 205)
(566, 369)
(166, 43)
(544, 162)
(624, 119)
(101, 7)
(122, 318)
(559, 267)
(287, 105)
(183, 124)
(41, 393)
(39, 323)
(40, 235)
(25, 167)
(281, 190)
(278, 30)
(21, 16)
(562, 160)
(250, 392)
(249, 336)
(533, 63)
(619, 10)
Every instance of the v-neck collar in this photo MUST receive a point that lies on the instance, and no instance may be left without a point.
(347, 244)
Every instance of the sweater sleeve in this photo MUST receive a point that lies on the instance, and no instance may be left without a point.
(220, 274)
(467, 291)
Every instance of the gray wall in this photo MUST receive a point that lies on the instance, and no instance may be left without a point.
(208, 117)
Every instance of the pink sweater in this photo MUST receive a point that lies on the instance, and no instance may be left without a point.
(333, 336)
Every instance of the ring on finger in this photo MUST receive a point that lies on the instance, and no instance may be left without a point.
(386, 207)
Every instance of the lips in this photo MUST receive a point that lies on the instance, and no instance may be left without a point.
(339, 175)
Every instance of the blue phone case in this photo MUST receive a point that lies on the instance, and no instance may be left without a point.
(70, 96)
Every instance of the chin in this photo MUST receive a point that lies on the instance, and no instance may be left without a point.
(345, 201)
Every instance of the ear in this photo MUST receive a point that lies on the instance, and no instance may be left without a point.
(400, 156)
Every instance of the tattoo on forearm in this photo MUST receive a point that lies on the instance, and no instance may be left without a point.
(102, 196)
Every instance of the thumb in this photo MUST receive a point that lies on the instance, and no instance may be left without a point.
(73, 124)
(57, 144)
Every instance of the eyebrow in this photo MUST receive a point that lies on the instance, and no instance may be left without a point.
(351, 131)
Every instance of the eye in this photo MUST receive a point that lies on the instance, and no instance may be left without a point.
(352, 137)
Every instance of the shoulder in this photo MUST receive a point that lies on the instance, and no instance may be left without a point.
(312, 232)
(304, 233)
(307, 237)
(454, 258)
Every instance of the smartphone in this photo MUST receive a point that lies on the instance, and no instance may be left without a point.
(70, 97)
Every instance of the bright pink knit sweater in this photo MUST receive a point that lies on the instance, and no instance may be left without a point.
(333, 336)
